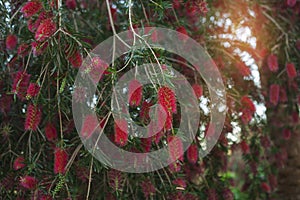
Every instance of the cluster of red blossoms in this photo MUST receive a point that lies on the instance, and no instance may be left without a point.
(248, 109)
(40, 22)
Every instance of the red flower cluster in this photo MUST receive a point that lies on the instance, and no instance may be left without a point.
(116, 179)
(19, 163)
(175, 148)
(274, 94)
(46, 29)
(60, 161)
(167, 99)
(243, 69)
(121, 132)
(33, 117)
(265, 187)
(183, 34)
(31, 8)
(291, 70)
(192, 153)
(32, 90)
(89, 126)
(273, 63)
(28, 182)
(135, 93)
(20, 84)
(248, 109)
(11, 42)
(50, 132)
(198, 90)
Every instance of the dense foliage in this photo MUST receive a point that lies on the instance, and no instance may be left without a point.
(254, 43)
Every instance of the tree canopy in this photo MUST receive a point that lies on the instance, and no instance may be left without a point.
(59, 82)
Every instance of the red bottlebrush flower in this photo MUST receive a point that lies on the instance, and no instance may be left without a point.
(248, 109)
(265, 187)
(148, 188)
(33, 117)
(274, 94)
(245, 147)
(71, 4)
(291, 70)
(192, 10)
(33, 25)
(192, 153)
(166, 98)
(286, 134)
(243, 69)
(291, 3)
(38, 48)
(89, 126)
(184, 34)
(164, 121)
(60, 161)
(248, 103)
(273, 63)
(227, 194)
(28, 182)
(11, 42)
(23, 50)
(19, 163)
(203, 7)
(45, 30)
(31, 8)
(198, 90)
(246, 116)
(179, 182)
(75, 59)
(32, 90)
(175, 148)
(20, 84)
(50, 132)
(116, 179)
(135, 93)
(121, 132)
